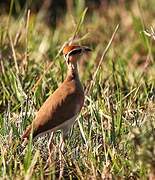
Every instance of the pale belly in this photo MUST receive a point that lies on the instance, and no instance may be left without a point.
(64, 126)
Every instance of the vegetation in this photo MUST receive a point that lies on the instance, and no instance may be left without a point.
(114, 136)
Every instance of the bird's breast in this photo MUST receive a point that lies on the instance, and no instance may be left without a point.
(80, 103)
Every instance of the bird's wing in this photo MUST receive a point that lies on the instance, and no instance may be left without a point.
(62, 105)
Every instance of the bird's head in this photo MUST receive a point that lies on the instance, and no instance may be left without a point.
(73, 52)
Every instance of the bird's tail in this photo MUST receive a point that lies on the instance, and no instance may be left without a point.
(24, 140)
(26, 133)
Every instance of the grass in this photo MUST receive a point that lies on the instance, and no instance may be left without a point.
(114, 135)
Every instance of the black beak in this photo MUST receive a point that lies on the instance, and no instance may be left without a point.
(87, 49)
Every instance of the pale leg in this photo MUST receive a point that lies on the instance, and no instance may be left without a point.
(49, 148)
(61, 149)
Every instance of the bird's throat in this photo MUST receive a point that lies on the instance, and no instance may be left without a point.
(73, 71)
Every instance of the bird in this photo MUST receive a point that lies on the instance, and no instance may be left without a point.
(61, 108)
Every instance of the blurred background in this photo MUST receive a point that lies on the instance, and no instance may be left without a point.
(55, 9)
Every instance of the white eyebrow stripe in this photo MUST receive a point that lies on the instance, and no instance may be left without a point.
(76, 49)
(67, 55)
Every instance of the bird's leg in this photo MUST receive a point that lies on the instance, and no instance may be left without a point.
(62, 145)
(61, 149)
(50, 145)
